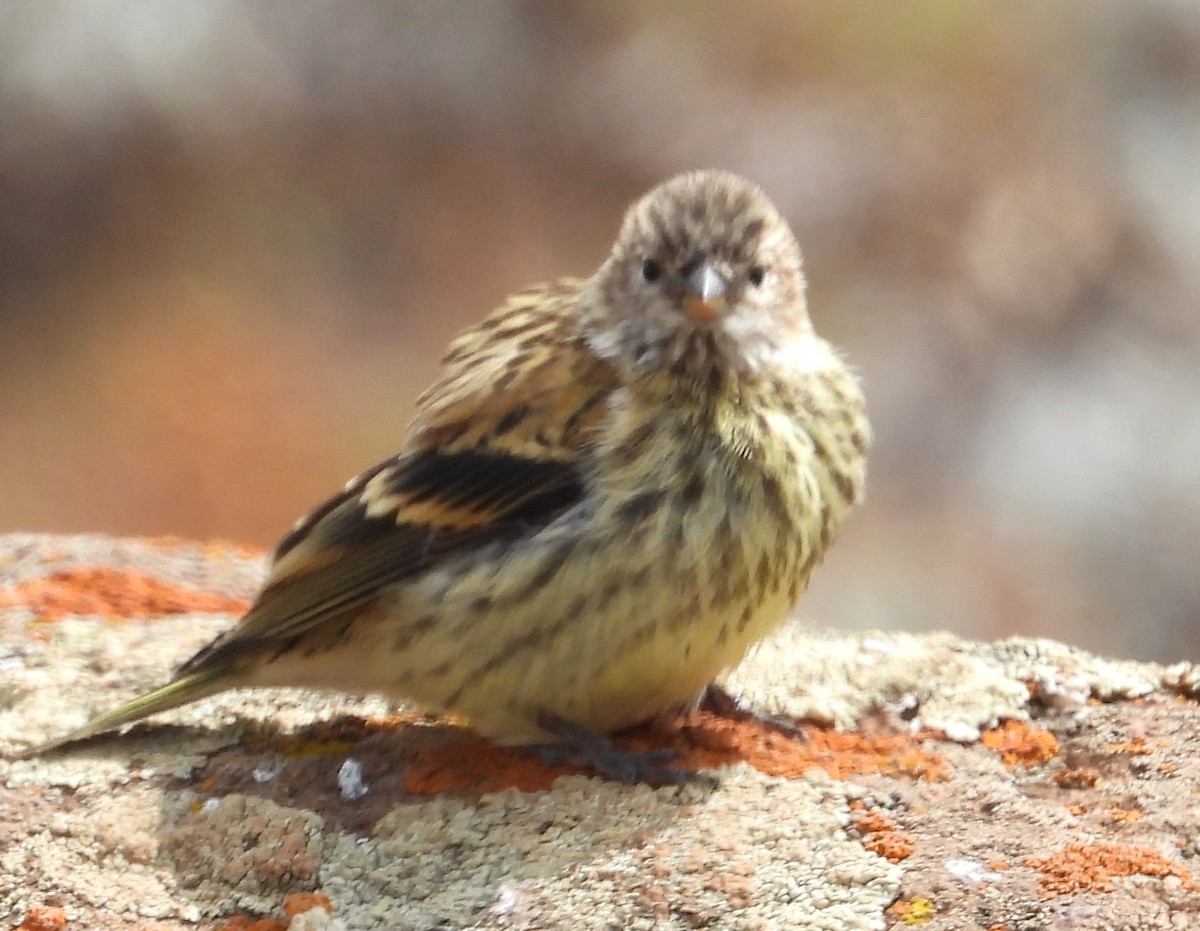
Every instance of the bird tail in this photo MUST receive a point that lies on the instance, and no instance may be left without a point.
(180, 691)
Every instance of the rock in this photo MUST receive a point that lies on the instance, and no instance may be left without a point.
(938, 783)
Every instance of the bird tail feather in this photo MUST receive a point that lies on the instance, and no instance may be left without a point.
(181, 691)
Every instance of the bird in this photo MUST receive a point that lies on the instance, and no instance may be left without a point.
(615, 487)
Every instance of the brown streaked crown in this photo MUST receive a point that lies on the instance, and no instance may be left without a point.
(635, 313)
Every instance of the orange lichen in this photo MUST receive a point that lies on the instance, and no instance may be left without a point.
(43, 918)
(472, 764)
(701, 740)
(1076, 778)
(882, 837)
(1083, 867)
(892, 846)
(300, 902)
(706, 741)
(1021, 745)
(1123, 814)
(387, 722)
(113, 594)
(1135, 747)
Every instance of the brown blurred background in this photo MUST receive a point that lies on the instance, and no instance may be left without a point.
(234, 238)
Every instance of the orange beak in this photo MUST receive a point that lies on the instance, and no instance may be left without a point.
(704, 298)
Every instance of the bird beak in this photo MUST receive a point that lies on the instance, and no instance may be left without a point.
(704, 298)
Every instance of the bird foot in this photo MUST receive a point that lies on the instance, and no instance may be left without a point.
(720, 701)
(579, 746)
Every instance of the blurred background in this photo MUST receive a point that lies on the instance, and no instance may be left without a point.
(234, 238)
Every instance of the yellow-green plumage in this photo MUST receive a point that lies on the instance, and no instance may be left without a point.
(713, 513)
(616, 487)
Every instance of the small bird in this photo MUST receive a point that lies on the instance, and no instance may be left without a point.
(615, 488)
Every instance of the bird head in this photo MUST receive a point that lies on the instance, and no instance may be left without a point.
(705, 272)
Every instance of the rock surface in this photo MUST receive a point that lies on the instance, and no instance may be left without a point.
(942, 784)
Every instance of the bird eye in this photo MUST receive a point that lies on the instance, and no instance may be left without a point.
(757, 274)
(651, 270)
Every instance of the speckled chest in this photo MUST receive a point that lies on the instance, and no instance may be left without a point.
(726, 497)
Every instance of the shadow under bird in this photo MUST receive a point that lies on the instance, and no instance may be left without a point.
(615, 488)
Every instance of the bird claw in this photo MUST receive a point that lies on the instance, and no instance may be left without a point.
(720, 701)
(579, 746)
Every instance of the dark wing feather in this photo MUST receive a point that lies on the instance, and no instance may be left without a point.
(494, 453)
(352, 550)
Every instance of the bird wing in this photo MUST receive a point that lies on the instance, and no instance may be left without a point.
(494, 452)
